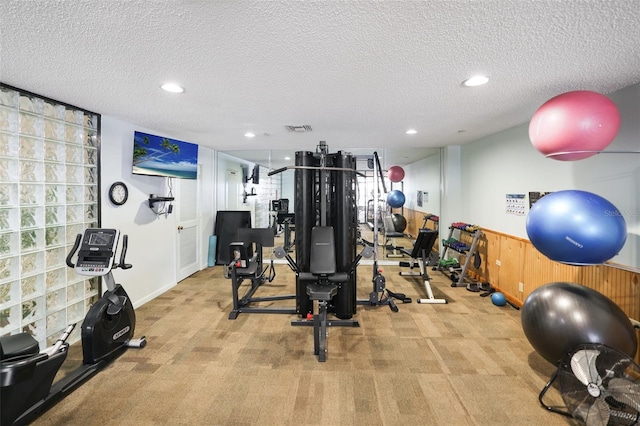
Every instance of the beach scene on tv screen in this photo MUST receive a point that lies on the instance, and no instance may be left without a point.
(160, 156)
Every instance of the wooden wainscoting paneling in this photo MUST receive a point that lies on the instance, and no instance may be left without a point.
(535, 270)
(490, 252)
(621, 286)
(511, 267)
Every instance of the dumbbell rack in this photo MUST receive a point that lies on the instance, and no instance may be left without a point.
(458, 275)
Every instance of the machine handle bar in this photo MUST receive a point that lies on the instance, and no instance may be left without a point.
(340, 169)
(70, 264)
(384, 186)
(123, 253)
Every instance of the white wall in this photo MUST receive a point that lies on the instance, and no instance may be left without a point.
(224, 164)
(507, 163)
(450, 201)
(152, 239)
(423, 175)
(287, 188)
(207, 159)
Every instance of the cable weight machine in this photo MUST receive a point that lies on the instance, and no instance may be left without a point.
(326, 240)
(325, 196)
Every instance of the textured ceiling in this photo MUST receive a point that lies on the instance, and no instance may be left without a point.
(358, 72)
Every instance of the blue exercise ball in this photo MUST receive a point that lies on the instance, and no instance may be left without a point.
(559, 316)
(576, 227)
(395, 198)
(498, 299)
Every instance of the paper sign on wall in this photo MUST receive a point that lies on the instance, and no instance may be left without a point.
(516, 204)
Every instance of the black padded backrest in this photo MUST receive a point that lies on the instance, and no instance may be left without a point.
(256, 239)
(227, 224)
(323, 251)
(426, 239)
(262, 236)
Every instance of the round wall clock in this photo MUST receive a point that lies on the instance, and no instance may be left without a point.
(118, 193)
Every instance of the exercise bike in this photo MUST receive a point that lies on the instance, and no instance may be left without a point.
(27, 374)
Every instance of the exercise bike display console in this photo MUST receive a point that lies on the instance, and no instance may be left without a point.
(27, 373)
(95, 257)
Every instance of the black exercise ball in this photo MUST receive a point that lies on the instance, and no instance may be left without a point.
(557, 317)
(399, 222)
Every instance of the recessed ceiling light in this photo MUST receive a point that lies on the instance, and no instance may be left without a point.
(250, 135)
(477, 80)
(287, 158)
(411, 132)
(172, 87)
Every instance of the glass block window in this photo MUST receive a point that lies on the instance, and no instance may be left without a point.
(48, 183)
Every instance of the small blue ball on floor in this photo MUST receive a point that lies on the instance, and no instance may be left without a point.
(498, 299)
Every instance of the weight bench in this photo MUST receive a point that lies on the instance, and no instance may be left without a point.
(390, 235)
(420, 258)
(247, 265)
(323, 283)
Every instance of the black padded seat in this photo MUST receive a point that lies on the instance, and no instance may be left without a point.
(321, 291)
(250, 270)
(322, 283)
(18, 345)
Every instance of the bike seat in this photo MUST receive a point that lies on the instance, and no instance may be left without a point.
(18, 345)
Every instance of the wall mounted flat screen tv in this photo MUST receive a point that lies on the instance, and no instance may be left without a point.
(160, 156)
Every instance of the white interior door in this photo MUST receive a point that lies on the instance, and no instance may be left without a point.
(188, 229)
(233, 189)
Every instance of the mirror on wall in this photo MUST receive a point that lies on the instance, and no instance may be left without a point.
(421, 185)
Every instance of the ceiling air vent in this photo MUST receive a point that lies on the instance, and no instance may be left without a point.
(299, 129)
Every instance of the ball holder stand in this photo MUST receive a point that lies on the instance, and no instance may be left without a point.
(558, 154)
(380, 296)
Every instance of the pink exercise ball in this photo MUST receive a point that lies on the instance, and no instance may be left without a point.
(574, 121)
(396, 173)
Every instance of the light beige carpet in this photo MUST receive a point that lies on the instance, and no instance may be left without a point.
(463, 363)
